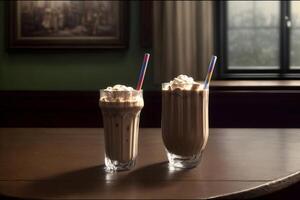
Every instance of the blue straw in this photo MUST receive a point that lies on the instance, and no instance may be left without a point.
(143, 70)
(210, 71)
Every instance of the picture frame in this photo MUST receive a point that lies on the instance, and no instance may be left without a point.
(67, 24)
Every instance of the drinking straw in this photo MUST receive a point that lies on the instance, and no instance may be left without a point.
(210, 71)
(143, 71)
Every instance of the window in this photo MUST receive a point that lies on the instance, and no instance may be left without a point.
(295, 35)
(258, 39)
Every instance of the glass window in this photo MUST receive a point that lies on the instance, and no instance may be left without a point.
(253, 34)
(295, 35)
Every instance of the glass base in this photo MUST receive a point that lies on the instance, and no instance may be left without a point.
(114, 165)
(184, 162)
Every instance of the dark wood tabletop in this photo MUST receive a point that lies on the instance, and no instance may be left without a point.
(67, 163)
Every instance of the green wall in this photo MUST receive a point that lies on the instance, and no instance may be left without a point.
(74, 71)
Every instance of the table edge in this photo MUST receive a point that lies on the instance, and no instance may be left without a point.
(263, 189)
(257, 191)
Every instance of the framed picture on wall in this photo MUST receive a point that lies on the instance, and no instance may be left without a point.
(67, 24)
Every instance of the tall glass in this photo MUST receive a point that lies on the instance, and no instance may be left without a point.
(121, 117)
(184, 124)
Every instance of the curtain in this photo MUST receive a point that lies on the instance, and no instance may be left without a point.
(182, 38)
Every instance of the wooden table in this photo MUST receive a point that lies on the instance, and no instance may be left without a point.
(48, 163)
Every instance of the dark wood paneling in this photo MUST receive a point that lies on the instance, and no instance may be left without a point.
(49, 109)
(261, 109)
(228, 108)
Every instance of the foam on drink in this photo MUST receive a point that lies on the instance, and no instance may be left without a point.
(183, 82)
(120, 93)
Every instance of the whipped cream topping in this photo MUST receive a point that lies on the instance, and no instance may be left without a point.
(119, 88)
(184, 82)
(120, 93)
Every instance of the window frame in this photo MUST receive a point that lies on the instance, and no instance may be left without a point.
(284, 71)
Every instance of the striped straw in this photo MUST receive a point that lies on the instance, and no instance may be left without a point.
(210, 71)
(143, 71)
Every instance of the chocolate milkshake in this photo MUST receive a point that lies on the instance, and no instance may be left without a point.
(184, 121)
(121, 107)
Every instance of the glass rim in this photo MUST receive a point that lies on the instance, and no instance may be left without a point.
(165, 84)
(122, 91)
(200, 82)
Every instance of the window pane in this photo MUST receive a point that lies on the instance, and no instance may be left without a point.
(241, 16)
(295, 35)
(253, 34)
(253, 48)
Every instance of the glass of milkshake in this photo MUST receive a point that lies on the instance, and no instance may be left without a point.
(121, 107)
(184, 121)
